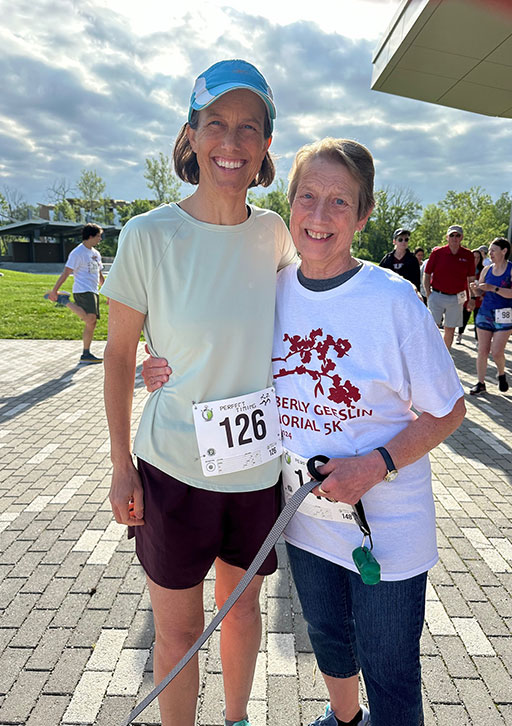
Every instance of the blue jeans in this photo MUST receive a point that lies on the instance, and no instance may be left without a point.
(372, 628)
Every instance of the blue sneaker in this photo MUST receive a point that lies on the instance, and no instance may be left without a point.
(329, 719)
(244, 722)
(62, 298)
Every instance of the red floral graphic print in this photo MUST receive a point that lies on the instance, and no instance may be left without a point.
(315, 345)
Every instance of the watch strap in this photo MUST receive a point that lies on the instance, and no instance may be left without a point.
(390, 464)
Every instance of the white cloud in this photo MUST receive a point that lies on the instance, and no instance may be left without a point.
(104, 83)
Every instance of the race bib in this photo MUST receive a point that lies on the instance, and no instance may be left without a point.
(237, 433)
(295, 474)
(503, 315)
(461, 297)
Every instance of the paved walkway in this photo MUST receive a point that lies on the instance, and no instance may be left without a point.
(75, 620)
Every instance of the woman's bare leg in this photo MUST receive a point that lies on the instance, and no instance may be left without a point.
(499, 341)
(179, 621)
(239, 639)
(484, 346)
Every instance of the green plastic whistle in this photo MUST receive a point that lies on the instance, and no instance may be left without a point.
(368, 567)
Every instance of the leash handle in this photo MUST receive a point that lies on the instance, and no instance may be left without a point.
(313, 471)
(359, 513)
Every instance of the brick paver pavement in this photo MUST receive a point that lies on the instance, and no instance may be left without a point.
(76, 628)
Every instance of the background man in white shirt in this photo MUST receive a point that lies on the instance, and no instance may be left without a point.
(84, 263)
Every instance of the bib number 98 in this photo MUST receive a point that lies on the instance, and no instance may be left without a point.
(503, 315)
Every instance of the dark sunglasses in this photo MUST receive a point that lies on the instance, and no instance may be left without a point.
(403, 239)
(455, 234)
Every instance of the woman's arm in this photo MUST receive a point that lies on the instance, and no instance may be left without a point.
(504, 292)
(350, 478)
(124, 328)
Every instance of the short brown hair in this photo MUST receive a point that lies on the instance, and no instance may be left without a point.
(354, 156)
(185, 160)
(91, 230)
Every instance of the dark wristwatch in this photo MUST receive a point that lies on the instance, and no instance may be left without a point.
(392, 470)
(496, 289)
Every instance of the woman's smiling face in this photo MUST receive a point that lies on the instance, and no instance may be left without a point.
(324, 217)
(229, 142)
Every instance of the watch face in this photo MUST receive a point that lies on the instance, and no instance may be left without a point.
(391, 475)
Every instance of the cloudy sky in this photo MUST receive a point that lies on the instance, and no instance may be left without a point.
(102, 84)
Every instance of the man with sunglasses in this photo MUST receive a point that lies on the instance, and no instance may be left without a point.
(448, 272)
(401, 260)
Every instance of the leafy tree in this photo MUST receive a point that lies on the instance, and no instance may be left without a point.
(138, 206)
(431, 230)
(63, 209)
(161, 180)
(14, 206)
(275, 200)
(393, 208)
(4, 219)
(4, 209)
(481, 217)
(92, 188)
(108, 247)
(502, 211)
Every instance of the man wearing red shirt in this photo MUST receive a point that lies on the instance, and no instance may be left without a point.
(448, 272)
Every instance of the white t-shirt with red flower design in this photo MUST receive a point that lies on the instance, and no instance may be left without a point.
(348, 365)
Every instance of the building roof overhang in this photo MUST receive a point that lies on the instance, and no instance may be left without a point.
(455, 53)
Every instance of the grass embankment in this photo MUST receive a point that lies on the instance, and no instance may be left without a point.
(26, 314)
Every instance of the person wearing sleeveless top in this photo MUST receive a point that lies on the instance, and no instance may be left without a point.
(494, 318)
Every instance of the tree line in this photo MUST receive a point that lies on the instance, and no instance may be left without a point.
(481, 216)
(87, 200)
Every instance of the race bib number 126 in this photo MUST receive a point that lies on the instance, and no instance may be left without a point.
(237, 433)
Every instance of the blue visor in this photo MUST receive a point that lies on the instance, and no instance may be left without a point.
(225, 76)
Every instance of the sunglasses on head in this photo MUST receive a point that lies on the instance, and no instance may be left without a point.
(455, 234)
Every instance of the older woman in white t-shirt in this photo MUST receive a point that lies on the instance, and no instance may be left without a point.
(354, 350)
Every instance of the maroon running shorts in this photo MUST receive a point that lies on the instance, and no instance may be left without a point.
(186, 528)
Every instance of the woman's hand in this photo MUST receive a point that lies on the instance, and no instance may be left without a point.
(350, 478)
(126, 495)
(474, 288)
(155, 372)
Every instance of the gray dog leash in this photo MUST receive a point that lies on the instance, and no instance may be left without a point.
(277, 530)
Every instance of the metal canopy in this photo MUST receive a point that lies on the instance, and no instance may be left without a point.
(44, 228)
(455, 53)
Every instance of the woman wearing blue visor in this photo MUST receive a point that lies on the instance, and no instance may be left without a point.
(200, 277)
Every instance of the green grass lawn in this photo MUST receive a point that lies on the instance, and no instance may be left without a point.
(26, 314)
